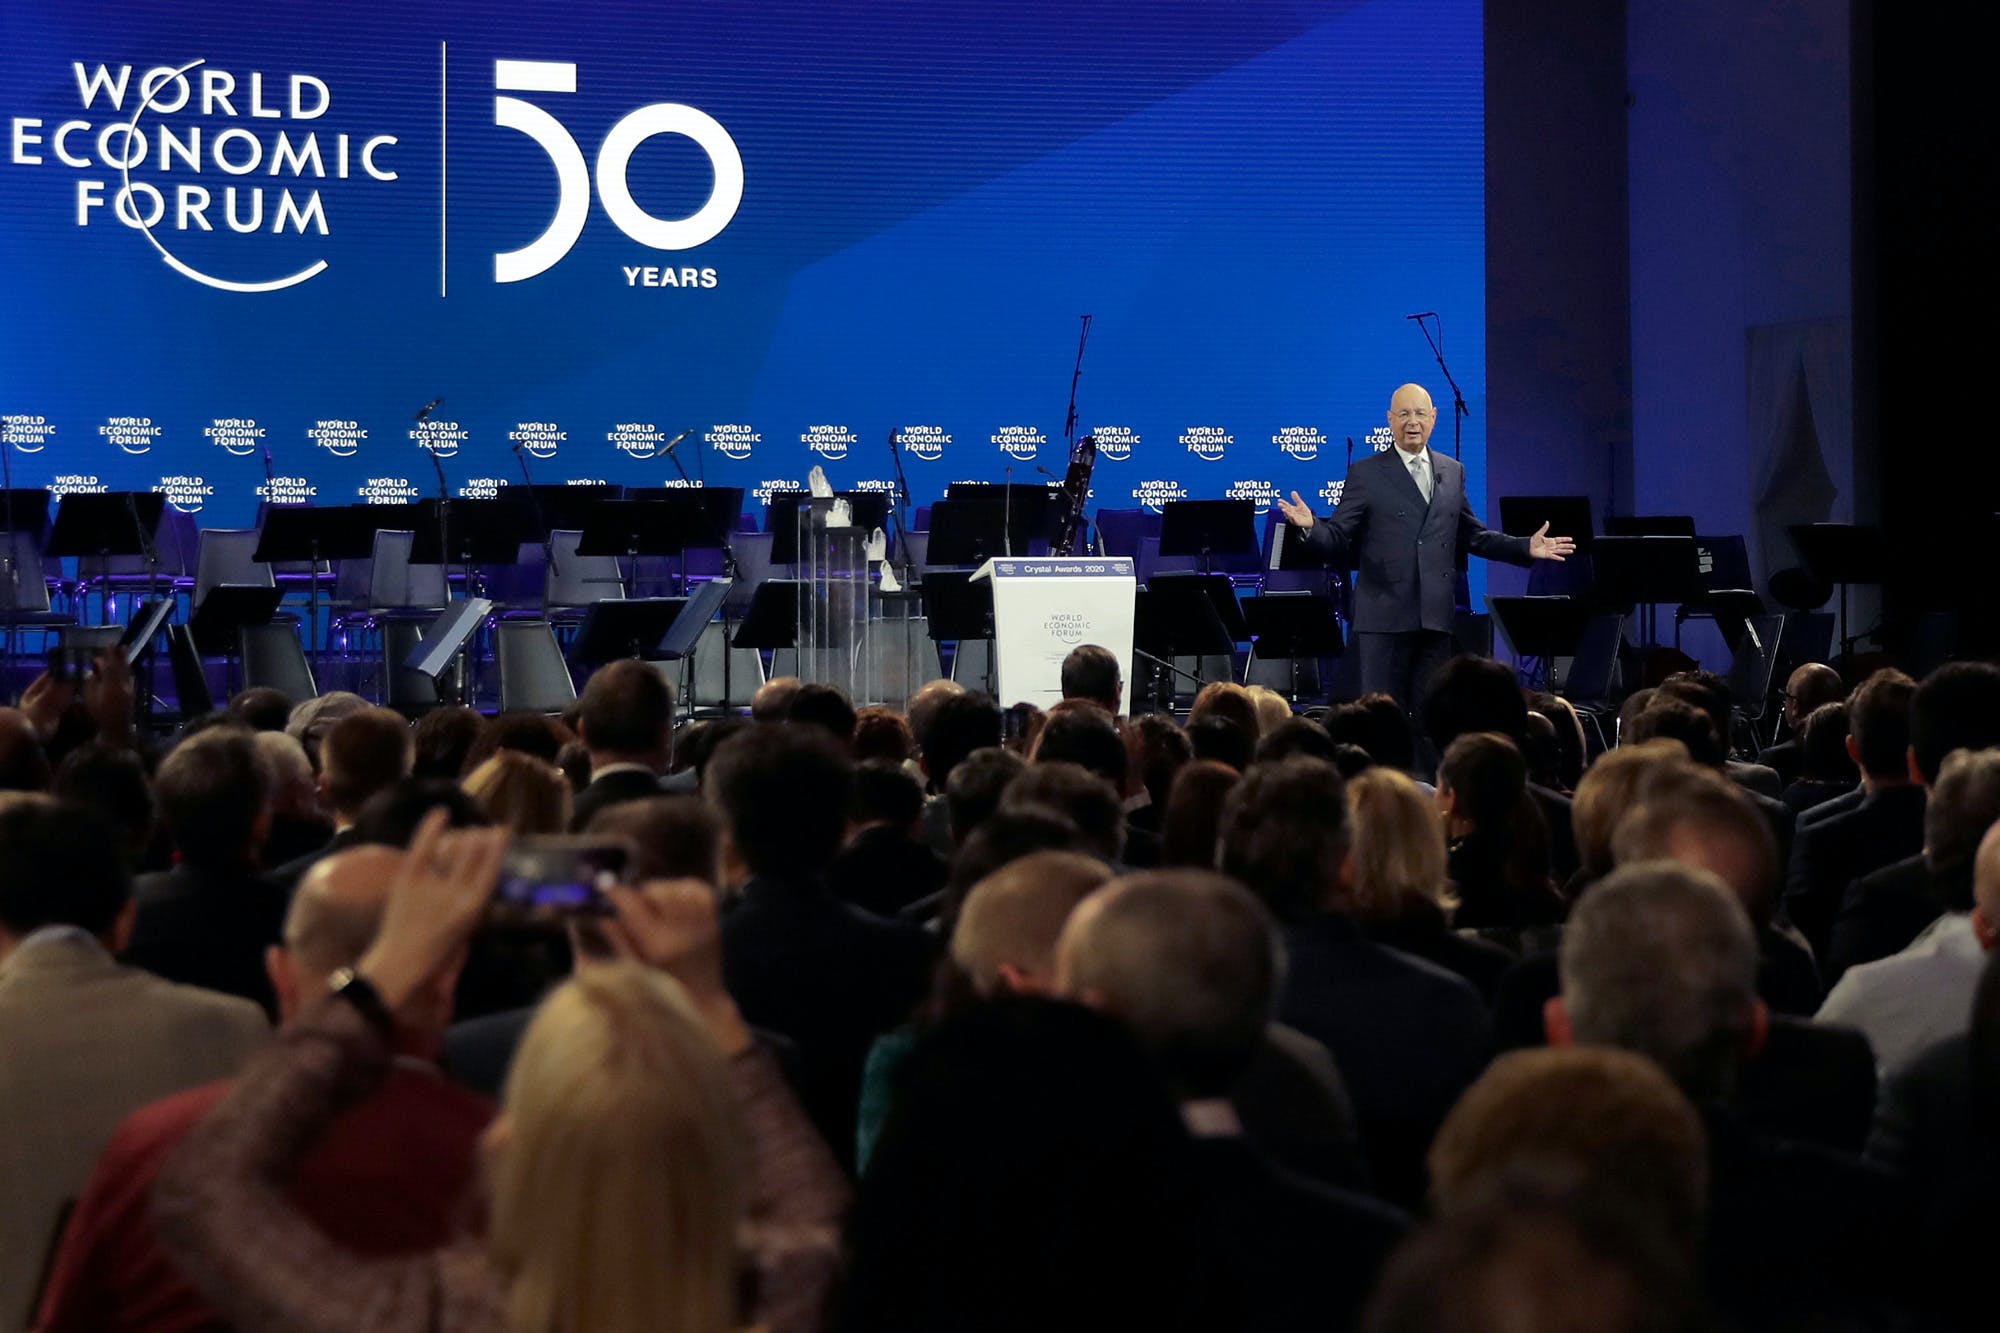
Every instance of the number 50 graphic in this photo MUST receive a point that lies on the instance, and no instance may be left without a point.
(613, 156)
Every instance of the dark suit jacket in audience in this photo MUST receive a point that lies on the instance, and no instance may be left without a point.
(1839, 805)
(884, 870)
(1787, 974)
(1562, 840)
(1759, 779)
(1831, 853)
(1883, 913)
(614, 788)
(1805, 795)
(1785, 759)
(1297, 1255)
(1407, 1036)
(1427, 935)
(208, 928)
(287, 874)
(1294, 1106)
(827, 976)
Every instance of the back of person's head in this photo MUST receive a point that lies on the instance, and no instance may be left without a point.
(1233, 704)
(977, 781)
(1660, 959)
(1486, 777)
(363, 753)
(390, 817)
(1082, 797)
(1163, 749)
(1004, 940)
(1673, 718)
(773, 698)
(672, 837)
(886, 793)
(1005, 837)
(444, 740)
(1185, 958)
(957, 723)
(923, 705)
(1085, 735)
(1030, 1174)
(312, 719)
(1398, 849)
(24, 764)
(1091, 672)
(111, 781)
(294, 789)
(1611, 1116)
(1609, 789)
(529, 733)
(1272, 710)
(62, 867)
(1878, 718)
(1295, 736)
(1823, 745)
(521, 792)
(1956, 708)
(1964, 802)
(1541, 751)
(334, 915)
(882, 733)
(823, 706)
(1352, 760)
(1571, 751)
(1390, 739)
(1628, 712)
(1811, 687)
(1699, 818)
(1541, 1251)
(1285, 833)
(1191, 825)
(695, 744)
(1706, 691)
(627, 710)
(214, 794)
(1471, 693)
(1222, 740)
(261, 708)
(617, 1197)
(783, 793)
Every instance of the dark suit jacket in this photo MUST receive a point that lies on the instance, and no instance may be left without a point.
(827, 976)
(1406, 1035)
(1883, 912)
(1839, 805)
(1829, 854)
(287, 874)
(207, 928)
(1296, 1255)
(1427, 935)
(627, 784)
(1758, 778)
(1406, 550)
(1785, 759)
(1806, 794)
(883, 870)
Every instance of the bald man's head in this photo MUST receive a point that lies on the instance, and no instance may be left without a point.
(1005, 937)
(1808, 687)
(1411, 417)
(1986, 889)
(335, 913)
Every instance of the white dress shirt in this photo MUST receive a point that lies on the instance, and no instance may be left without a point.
(1914, 999)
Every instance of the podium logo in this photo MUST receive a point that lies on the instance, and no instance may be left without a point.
(1020, 442)
(238, 436)
(135, 435)
(1301, 442)
(1263, 494)
(1067, 627)
(1154, 495)
(1207, 442)
(440, 437)
(1380, 440)
(925, 442)
(614, 157)
(339, 438)
(539, 439)
(732, 439)
(1115, 442)
(28, 434)
(187, 494)
(828, 441)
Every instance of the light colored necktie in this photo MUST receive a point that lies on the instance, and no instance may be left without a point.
(1421, 475)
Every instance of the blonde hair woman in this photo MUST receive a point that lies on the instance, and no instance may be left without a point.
(642, 1127)
(521, 793)
(1396, 887)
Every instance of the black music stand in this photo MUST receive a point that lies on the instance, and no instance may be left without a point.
(1645, 572)
(620, 628)
(870, 510)
(476, 532)
(312, 534)
(971, 532)
(629, 529)
(1294, 625)
(566, 507)
(1186, 615)
(1649, 525)
(772, 620)
(1208, 528)
(1566, 515)
(1541, 629)
(956, 608)
(25, 509)
(1842, 554)
(228, 607)
(701, 607)
(110, 523)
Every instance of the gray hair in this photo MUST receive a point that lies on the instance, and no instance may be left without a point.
(1963, 804)
(1659, 958)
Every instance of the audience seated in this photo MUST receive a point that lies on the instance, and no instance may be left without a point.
(1572, 752)
(885, 865)
(625, 716)
(1004, 837)
(521, 792)
(111, 781)
(1672, 716)
(1091, 673)
(1222, 740)
(1471, 694)
(955, 722)
(444, 740)
(882, 733)
(773, 698)
(83, 1040)
(1078, 795)
(973, 792)
(311, 720)
(1295, 736)
(299, 827)
(823, 706)
(261, 708)
(1825, 772)
(1609, 789)
(1499, 844)
(1194, 813)
(363, 754)
(1186, 960)
(1710, 693)
(1807, 690)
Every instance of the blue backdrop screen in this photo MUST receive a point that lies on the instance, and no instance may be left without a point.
(787, 227)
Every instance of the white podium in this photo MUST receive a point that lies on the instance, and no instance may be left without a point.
(1043, 606)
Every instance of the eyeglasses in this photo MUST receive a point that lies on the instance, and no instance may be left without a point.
(1416, 413)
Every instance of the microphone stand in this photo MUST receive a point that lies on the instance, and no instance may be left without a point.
(541, 522)
(731, 570)
(444, 533)
(1459, 411)
(12, 554)
(901, 500)
(152, 554)
(1007, 514)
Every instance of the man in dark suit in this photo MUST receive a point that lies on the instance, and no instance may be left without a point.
(1808, 687)
(626, 719)
(365, 752)
(1402, 519)
(1887, 826)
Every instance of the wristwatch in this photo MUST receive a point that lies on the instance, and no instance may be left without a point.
(360, 992)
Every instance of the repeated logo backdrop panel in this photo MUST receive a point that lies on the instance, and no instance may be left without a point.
(241, 244)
